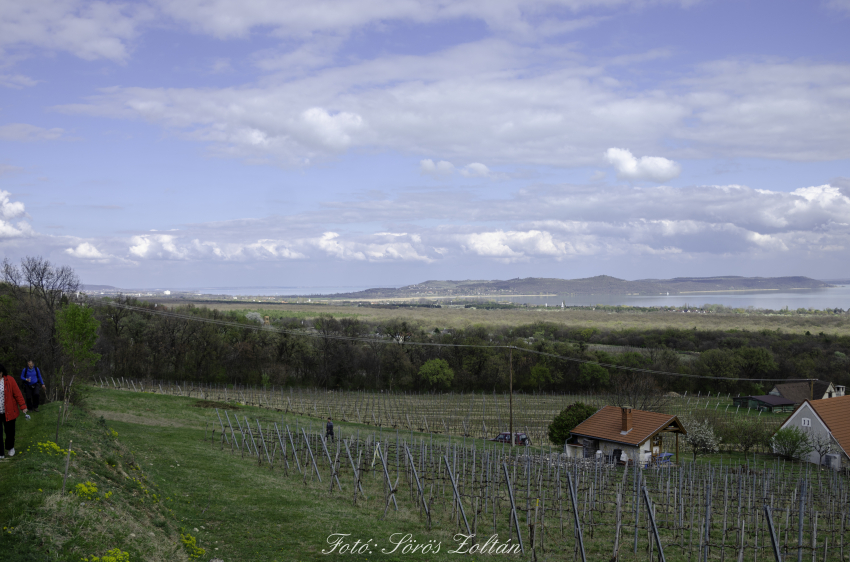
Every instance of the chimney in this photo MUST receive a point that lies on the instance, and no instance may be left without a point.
(627, 420)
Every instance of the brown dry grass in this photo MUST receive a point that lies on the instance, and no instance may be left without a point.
(430, 318)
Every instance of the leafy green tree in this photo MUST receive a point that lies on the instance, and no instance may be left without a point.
(591, 375)
(755, 362)
(437, 373)
(718, 363)
(567, 420)
(76, 329)
(542, 375)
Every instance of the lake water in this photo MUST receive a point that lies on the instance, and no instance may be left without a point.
(836, 297)
(275, 291)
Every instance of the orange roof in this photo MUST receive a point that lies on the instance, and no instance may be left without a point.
(835, 413)
(607, 422)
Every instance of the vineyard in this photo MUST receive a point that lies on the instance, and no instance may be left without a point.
(477, 415)
(496, 499)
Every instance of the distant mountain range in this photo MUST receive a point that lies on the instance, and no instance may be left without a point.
(599, 285)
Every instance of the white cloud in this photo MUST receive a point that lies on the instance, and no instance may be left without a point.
(653, 168)
(542, 224)
(332, 131)
(9, 211)
(476, 170)
(476, 102)
(16, 81)
(237, 18)
(24, 132)
(85, 251)
(88, 29)
(183, 246)
(436, 169)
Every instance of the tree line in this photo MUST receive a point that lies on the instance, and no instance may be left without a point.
(140, 343)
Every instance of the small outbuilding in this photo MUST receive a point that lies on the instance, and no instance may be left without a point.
(616, 432)
(765, 403)
(825, 417)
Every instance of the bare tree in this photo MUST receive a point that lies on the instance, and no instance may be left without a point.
(821, 443)
(637, 390)
(39, 289)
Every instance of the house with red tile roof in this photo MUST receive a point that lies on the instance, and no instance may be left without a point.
(618, 432)
(829, 417)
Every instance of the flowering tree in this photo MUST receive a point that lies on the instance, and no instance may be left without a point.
(701, 437)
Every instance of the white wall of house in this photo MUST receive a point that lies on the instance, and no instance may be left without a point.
(806, 419)
(633, 453)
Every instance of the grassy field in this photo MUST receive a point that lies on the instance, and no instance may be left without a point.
(163, 477)
(430, 318)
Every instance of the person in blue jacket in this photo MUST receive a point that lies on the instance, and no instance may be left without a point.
(33, 383)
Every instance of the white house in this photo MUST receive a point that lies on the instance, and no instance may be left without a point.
(825, 417)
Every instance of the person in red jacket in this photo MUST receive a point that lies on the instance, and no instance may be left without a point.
(10, 399)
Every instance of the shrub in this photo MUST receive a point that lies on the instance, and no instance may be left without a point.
(748, 433)
(792, 443)
(567, 420)
(114, 555)
(191, 545)
(86, 491)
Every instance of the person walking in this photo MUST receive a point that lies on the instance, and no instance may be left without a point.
(329, 430)
(10, 399)
(31, 375)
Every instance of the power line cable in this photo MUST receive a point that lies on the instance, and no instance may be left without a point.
(337, 337)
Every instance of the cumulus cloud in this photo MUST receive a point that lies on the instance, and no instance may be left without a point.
(652, 168)
(541, 224)
(24, 132)
(436, 169)
(9, 212)
(514, 244)
(477, 170)
(85, 251)
(382, 246)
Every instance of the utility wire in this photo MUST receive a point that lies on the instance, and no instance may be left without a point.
(231, 324)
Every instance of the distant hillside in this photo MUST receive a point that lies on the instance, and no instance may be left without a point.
(599, 285)
(98, 288)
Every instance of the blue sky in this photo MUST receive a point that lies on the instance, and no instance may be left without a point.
(252, 142)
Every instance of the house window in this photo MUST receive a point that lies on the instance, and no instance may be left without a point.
(807, 422)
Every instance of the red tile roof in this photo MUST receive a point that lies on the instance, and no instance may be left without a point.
(606, 424)
(835, 413)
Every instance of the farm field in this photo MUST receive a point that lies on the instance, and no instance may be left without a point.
(430, 318)
(257, 495)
